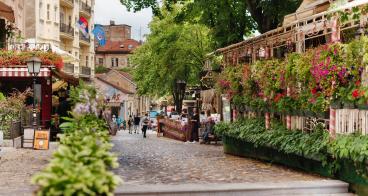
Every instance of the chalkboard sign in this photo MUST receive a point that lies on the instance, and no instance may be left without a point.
(41, 140)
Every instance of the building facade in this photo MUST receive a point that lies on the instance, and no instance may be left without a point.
(55, 22)
(120, 91)
(119, 46)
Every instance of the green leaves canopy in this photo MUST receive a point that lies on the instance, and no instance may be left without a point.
(173, 51)
(229, 20)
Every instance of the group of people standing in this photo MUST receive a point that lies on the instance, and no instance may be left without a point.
(133, 123)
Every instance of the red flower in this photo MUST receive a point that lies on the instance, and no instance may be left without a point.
(314, 91)
(357, 83)
(277, 97)
(355, 93)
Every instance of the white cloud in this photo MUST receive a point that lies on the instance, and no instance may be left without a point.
(106, 10)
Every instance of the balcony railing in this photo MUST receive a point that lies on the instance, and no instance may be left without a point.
(64, 28)
(25, 46)
(82, 38)
(68, 68)
(85, 71)
(85, 7)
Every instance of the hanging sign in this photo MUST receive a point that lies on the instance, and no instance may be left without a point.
(41, 140)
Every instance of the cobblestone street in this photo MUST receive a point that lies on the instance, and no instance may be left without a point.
(17, 167)
(165, 161)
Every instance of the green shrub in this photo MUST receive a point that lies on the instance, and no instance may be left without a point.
(101, 69)
(81, 164)
(314, 145)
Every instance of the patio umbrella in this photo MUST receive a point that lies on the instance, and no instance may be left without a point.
(6, 12)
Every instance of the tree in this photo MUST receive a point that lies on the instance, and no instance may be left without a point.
(229, 20)
(172, 52)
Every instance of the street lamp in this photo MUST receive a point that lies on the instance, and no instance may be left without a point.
(180, 92)
(34, 67)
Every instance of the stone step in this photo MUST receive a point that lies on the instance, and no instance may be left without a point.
(295, 188)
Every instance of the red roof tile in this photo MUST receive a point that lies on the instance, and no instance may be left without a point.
(124, 47)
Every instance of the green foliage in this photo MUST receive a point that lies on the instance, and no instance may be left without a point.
(101, 69)
(10, 109)
(81, 164)
(82, 93)
(2, 97)
(129, 70)
(172, 52)
(311, 145)
(229, 20)
(314, 145)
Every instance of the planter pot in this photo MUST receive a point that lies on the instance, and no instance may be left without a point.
(349, 106)
(309, 113)
(362, 107)
(346, 172)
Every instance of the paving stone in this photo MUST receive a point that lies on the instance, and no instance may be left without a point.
(164, 161)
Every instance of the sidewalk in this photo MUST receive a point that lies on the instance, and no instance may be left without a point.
(17, 167)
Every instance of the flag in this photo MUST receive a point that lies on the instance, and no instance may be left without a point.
(99, 33)
(83, 26)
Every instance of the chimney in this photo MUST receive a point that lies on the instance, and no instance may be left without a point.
(112, 23)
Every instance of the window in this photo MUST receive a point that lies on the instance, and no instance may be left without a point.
(112, 62)
(100, 61)
(55, 13)
(70, 21)
(40, 10)
(130, 47)
(48, 11)
(87, 61)
(117, 62)
(62, 17)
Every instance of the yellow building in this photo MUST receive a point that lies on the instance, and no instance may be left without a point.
(55, 22)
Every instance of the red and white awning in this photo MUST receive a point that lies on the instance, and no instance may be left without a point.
(22, 72)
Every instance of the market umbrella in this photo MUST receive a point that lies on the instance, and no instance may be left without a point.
(6, 12)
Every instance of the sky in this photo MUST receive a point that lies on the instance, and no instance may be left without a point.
(106, 10)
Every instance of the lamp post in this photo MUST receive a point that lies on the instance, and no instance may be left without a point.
(180, 91)
(34, 67)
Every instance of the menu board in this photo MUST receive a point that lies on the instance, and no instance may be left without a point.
(41, 140)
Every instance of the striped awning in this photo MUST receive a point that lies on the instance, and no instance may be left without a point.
(22, 72)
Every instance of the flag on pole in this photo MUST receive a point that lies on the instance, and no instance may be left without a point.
(99, 33)
(83, 26)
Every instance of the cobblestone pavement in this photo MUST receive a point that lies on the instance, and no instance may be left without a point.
(164, 161)
(17, 167)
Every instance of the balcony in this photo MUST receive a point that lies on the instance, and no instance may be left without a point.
(69, 68)
(66, 31)
(85, 10)
(67, 3)
(85, 72)
(83, 40)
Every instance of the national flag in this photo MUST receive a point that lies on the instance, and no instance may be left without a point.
(83, 26)
(99, 33)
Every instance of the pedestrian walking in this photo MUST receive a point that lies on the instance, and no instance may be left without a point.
(130, 124)
(145, 124)
(137, 121)
(119, 121)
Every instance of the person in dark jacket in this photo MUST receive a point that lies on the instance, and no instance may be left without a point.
(137, 120)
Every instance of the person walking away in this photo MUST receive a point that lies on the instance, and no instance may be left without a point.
(119, 122)
(145, 123)
(137, 120)
(130, 124)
